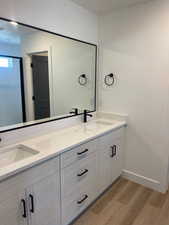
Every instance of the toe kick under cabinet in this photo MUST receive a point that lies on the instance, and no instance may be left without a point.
(56, 191)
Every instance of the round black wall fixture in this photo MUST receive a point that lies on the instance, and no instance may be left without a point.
(109, 79)
(82, 79)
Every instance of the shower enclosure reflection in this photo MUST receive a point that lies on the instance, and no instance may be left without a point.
(12, 105)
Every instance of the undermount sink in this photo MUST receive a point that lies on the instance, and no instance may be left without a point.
(14, 154)
(105, 123)
(98, 124)
(94, 125)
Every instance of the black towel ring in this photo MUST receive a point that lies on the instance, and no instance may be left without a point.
(109, 79)
(82, 79)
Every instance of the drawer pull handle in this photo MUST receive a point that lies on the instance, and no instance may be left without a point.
(82, 200)
(32, 209)
(83, 152)
(114, 150)
(83, 173)
(24, 215)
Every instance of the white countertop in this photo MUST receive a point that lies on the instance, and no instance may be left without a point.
(57, 142)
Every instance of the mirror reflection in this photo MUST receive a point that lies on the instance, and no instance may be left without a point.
(43, 76)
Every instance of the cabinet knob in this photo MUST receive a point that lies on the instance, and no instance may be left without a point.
(113, 150)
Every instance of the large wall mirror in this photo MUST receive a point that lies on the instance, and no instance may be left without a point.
(43, 75)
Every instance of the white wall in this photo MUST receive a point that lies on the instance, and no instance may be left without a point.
(10, 49)
(60, 16)
(135, 46)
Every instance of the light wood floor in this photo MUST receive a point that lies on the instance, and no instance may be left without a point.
(128, 203)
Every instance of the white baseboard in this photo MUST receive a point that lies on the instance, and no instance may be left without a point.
(145, 181)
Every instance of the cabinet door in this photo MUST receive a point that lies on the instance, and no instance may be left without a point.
(110, 160)
(44, 201)
(116, 158)
(13, 208)
(104, 170)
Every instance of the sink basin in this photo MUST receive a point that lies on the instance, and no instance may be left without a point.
(98, 124)
(12, 155)
(94, 125)
(104, 123)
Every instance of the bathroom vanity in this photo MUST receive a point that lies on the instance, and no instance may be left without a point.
(66, 172)
(51, 178)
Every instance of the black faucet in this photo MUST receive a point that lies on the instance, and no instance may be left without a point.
(75, 111)
(86, 114)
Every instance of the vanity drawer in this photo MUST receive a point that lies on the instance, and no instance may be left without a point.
(75, 204)
(79, 175)
(78, 154)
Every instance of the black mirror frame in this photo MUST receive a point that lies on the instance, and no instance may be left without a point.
(64, 117)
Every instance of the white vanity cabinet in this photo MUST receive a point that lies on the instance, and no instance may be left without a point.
(56, 191)
(78, 180)
(11, 206)
(110, 158)
(44, 201)
(86, 171)
(32, 197)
